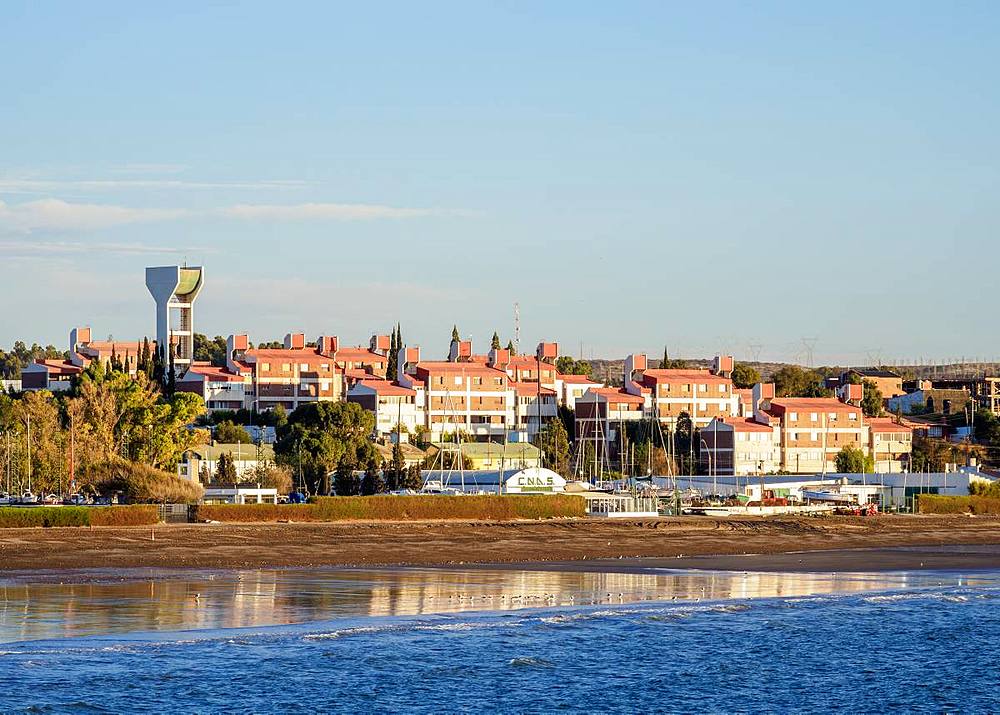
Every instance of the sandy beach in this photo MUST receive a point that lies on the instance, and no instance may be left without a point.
(692, 542)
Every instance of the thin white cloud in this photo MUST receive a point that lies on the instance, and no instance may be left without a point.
(34, 249)
(56, 214)
(45, 186)
(52, 214)
(321, 212)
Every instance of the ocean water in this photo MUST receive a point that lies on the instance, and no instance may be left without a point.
(509, 641)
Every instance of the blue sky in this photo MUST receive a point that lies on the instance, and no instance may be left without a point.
(707, 176)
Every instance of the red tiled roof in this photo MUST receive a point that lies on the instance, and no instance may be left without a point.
(59, 367)
(390, 389)
(818, 404)
(610, 394)
(213, 373)
(468, 368)
(577, 379)
(675, 375)
(886, 424)
(745, 424)
(529, 389)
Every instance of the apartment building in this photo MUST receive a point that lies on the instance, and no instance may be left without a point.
(220, 388)
(814, 429)
(601, 415)
(298, 373)
(890, 444)
(570, 388)
(459, 396)
(57, 375)
(391, 403)
(889, 383)
(740, 446)
(703, 394)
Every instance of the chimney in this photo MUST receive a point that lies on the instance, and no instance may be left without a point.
(634, 363)
(763, 393)
(78, 337)
(407, 357)
(499, 358)
(236, 345)
(460, 351)
(379, 344)
(295, 341)
(547, 352)
(327, 345)
(723, 365)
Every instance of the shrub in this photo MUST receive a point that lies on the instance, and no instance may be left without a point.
(140, 483)
(16, 517)
(21, 517)
(938, 504)
(131, 515)
(254, 512)
(403, 508)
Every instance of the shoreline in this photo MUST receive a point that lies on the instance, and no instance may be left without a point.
(805, 544)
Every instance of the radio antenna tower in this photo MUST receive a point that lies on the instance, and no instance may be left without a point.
(517, 327)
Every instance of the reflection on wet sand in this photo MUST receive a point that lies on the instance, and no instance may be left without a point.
(241, 599)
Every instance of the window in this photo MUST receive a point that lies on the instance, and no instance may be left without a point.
(853, 416)
(303, 366)
(813, 417)
(285, 367)
(685, 388)
(722, 387)
(458, 380)
(265, 366)
(704, 388)
(814, 436)
(793, 416)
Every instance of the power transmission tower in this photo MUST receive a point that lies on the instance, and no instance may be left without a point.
(809, 350)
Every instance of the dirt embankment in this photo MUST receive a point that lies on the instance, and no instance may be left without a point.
(439, 543)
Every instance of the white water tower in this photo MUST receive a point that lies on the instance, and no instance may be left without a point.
(175, 288)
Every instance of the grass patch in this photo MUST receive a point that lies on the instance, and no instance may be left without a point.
(403, 508)
(939, 504)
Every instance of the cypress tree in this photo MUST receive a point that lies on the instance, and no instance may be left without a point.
(454, 334)
(510, 348)
(495, 343)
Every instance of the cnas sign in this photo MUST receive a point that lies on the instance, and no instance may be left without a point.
(536, 480)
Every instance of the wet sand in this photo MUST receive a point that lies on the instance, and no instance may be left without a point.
(766, 544)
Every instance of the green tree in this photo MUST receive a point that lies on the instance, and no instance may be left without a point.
(566, 365)
(745, 376)
(871, 399)
(230, 433)
(373, 481)
(511, 349)
(346, 482)
(851, 460)
(667, 364)
(414, 479)
(225, 469)
(794, 381)
(323, 435)
(454, 334)
(395, 472)
(212, 351)
(554, 443)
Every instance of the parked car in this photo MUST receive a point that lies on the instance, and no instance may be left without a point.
(6, 499)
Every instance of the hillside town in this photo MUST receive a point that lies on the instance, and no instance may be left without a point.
(502, 407)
